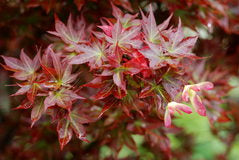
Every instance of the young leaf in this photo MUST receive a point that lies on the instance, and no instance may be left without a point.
(64, 132)
(127, 20)
(167, 118)
(124, 39)
(177, 45)
(195, 87)
(25, 68)
(70, 34)
(157, 58)
(197, 103)
(37, 111)
(62, 98)
(170, 110)
(76, 122)
(94, 54)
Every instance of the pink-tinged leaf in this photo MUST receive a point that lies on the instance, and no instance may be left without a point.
(56, 62)
(79, 118)
(129, 38)
(22, 90)
(206, 85)
(150, 27)
(46, 58)
(64, 102)
(127, 20)
(185, 94)
(167, 118)
(197, 103)
(94, 54)
(165, 24)
(31, 65)
(124, 39)
(82, 58)
(180, 107)
(117, 13)
(37, 111)
(49, 101)
(24, 69)
(13, 63)
(73, 95)
(78, 128)
(195, 87)
(116, 31)
(68, 34)
(107, 30)
(171, 108)
(62, 98)
(64, 132)
(184, 48)
(119, 81)
(155, 56)
(81, 24)
(67, 77)
(178, 35)
(27, 62)
(22, 75)
(176, 45)
(202, 86)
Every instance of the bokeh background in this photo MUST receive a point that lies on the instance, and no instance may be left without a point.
(23, 24)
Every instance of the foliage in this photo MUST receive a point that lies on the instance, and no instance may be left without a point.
(126, 82)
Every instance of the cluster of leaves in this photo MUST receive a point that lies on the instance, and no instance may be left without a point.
(123, 77)
(135, 63)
